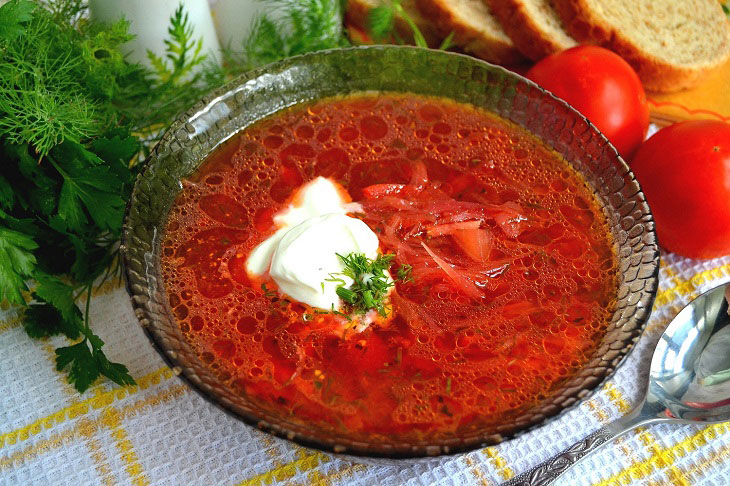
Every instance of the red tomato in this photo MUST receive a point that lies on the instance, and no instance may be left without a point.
(684, 170)
(603, 87)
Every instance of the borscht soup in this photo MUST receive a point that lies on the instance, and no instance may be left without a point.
(389, 267)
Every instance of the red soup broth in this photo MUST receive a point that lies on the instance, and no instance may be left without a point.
(526, 295)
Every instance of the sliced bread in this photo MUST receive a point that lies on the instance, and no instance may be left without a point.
(474, 28)
(357, 13)
(672, 44)
(533, 26)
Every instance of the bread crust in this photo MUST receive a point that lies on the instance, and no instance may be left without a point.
(520, 26)
(492, 49)
(655, 74)
(357, 14)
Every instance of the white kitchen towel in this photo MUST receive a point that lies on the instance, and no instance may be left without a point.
(162, 433)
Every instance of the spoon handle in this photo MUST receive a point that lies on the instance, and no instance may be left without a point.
(548, 471)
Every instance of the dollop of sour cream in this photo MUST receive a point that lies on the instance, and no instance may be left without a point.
(302, 254)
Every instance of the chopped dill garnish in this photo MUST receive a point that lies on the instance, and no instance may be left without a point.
(405, 273)
(337, 313)
(369, 289)
(267, 292)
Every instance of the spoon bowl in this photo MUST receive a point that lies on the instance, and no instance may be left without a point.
(689, 382)
(690, 369)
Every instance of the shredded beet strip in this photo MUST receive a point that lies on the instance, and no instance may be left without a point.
(462, 283)
(475, 242)
(451, 228)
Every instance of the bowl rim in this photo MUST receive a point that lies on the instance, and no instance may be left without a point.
(351, 453)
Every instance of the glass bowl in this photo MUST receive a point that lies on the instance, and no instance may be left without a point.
(260, 93)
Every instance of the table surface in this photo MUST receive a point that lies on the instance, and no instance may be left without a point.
(162, 432)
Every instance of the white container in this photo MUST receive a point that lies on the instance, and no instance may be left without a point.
(149, 21)
(234, 18)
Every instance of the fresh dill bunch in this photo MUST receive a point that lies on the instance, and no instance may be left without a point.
(106, 75)
(41, 98)
(382, 22)
(61, 81)
(295, 27)
(66, 12)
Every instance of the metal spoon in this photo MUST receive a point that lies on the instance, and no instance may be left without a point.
(689, 382)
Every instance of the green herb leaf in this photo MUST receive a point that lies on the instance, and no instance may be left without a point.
(116, 372)
(269, 294)
(96, 341)
(43, 320)
(34, 187)
(381, 20)
(12, 15)
(83, 370)
(94, 189)
(52, 290)
(369, 289)
(448, 42)
(116, 148)
(298, 27)
(7, 195)
(17, 263)
(405, 273)
(418, 38)
(346, 294)
(86, 364)
(183, 52)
